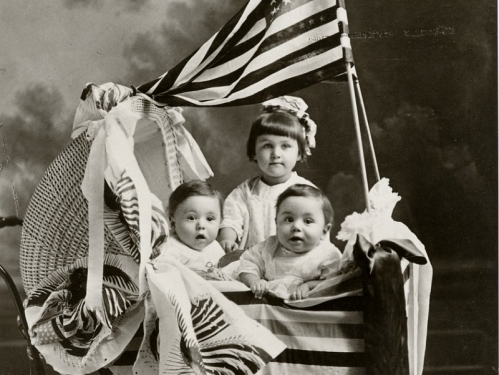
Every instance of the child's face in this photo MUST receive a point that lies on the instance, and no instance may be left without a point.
(301, 224)
(196, 221)
(276, 157)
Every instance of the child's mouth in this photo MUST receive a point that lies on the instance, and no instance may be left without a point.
(200, 237)
(295, 239)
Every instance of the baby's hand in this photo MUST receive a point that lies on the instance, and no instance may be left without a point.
(300, 293)
(228, 245)
(259, 288)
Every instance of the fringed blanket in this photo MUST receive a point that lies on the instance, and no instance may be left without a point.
(191, 328)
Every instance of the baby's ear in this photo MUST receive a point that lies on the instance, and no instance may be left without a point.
(326, 229)
(172, 222)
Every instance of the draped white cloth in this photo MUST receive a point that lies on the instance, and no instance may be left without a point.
(201, 331)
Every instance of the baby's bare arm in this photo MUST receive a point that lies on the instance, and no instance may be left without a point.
(227, 238)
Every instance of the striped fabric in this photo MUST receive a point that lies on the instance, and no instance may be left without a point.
(325, 339)
(269, 48)
(323, 335)
(322, 339)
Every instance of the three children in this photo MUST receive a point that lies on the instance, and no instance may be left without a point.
(282, 218)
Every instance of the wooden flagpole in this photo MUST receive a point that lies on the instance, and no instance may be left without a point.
(357, 130)
(348, 58)
(368, 130)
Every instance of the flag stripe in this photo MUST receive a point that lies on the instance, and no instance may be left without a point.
(203, 59)
(346, 315)
(320, 46)
(327, 344)
(246, 26)
(285, 33)
(258, 28)
(167, 80)
(294, 368)
(225, 31)
(324, 329)
(280, 71)
(303, 26)
(304, 56)
(355, 303)
(276, 44)
(248, 46)
(334, 359)
(321, 339)
(309, 56)
(239, 64)
(268, 48)
(291, 84)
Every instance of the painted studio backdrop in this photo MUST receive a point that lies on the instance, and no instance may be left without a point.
(428, 72)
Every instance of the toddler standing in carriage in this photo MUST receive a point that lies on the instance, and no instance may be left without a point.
(278, 139)
(291, 263)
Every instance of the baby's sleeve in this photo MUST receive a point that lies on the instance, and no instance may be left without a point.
(170, 251)
(331, 262)
(252, 262)
(234, 212)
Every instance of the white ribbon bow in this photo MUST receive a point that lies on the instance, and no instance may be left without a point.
(297, 107)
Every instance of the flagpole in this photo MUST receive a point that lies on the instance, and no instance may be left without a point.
(368, 130)
(357, 132)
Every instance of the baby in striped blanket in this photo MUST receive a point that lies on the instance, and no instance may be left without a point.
(291, 263)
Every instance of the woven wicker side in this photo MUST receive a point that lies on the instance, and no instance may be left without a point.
(55, 228)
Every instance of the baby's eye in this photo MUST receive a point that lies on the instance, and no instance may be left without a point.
(288, 219)
(267, 145)
(286, 145)
(211, 218)
(308, 221)
(191, 217)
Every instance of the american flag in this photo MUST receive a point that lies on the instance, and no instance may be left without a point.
(268, 49)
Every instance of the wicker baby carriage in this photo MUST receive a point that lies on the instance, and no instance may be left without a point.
(56, 235)
(72, 229)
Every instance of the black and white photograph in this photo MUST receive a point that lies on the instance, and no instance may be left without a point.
(237, 187)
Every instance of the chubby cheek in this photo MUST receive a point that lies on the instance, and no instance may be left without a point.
(189, 227)
(282, 232)
(214, 230)
(265, 154)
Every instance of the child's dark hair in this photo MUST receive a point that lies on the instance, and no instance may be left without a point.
(193, 188)
(277, 122)
(301, 190)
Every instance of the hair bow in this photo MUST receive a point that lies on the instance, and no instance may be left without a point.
(297, 107)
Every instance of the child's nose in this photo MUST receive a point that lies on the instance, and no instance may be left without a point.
(276, 151)
(200, 224)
